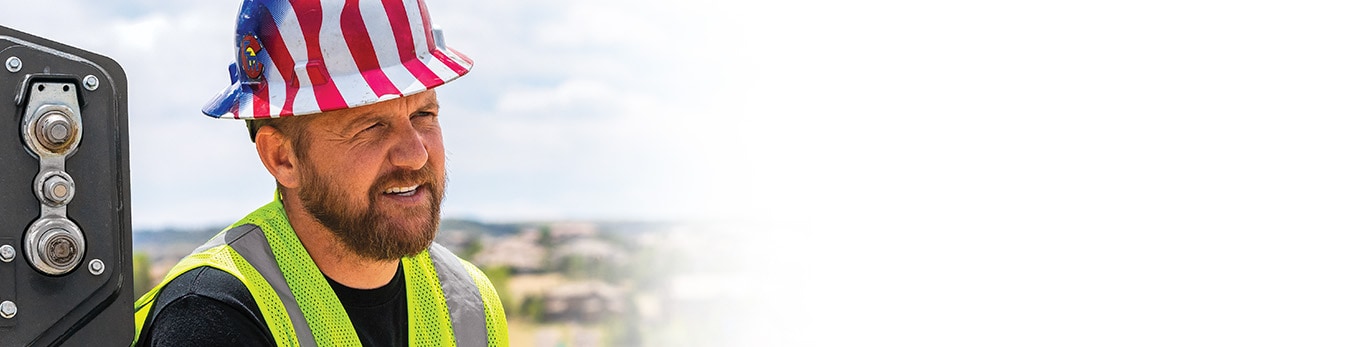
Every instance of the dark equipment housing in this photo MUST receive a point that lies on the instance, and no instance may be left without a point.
(66, 273)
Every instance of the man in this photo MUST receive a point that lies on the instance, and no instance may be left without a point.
(338, 99)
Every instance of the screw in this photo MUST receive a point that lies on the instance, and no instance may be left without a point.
(8, 310)
(6, 253)
(91, 82)
(96, 267)
(13, 64)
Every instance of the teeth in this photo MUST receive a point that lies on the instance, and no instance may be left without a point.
(402, 190)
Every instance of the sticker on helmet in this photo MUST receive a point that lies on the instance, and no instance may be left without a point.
(248, 57)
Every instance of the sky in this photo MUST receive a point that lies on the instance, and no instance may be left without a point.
(597, 109)
(939, 173)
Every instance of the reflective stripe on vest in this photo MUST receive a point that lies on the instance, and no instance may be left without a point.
(301, 310)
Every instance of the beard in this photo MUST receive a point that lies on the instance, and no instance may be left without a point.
(367, 230)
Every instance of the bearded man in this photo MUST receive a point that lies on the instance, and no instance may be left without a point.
(339, 101)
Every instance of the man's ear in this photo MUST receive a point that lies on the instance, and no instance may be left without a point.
(277, 154)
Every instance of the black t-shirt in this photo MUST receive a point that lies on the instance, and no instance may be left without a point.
(209, 307)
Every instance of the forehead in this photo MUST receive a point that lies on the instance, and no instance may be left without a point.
(402, 106)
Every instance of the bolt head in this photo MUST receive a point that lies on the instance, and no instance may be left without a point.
(13, 64)
(91, 82)
(58, 132)
(96, 267)
(6, 253)
(57, 189)
(61, 250)
(54, 129)
(8, 309)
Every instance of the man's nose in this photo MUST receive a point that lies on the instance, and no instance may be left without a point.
(410, 151)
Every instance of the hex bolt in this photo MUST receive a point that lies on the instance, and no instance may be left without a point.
(13, 64)
(54, 245)
(55, 129)
(96, 267)
(6, 253)
(57, 189)
(91, 82)
(8, 309)
(58, 132)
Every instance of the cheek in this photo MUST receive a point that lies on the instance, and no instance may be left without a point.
(355, 172)
(436, 147)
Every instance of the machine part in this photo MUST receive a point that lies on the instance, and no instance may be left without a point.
(53, 129)
(6, 253)
(68, 126)
(54, 246)
(54, 188)
(91, 82)
(8, 309)
(96, 267)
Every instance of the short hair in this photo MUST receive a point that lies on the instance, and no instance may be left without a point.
(292, 128)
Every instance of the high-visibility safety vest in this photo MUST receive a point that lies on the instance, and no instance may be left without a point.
(450, 302)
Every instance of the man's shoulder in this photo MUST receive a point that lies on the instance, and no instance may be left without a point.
(208, 282)
(206, 304)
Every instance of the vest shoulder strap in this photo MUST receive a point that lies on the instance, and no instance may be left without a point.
(218, 253)
(475, 309)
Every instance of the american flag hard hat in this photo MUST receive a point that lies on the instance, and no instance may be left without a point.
(309, 56)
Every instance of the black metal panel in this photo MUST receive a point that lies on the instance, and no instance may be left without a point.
(78, 308)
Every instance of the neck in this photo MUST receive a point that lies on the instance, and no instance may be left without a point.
(332, 257)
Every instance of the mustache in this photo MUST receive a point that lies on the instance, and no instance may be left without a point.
(424, 176)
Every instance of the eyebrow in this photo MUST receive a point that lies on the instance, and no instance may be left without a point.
(430, 105)
(366, 118)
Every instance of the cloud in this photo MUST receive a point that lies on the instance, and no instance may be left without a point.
(593, 103)
(587, 25)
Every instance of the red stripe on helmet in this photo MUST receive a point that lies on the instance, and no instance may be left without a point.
(279, 56)
(235, 107)
(261, 100)
(407, 49)
(459, 69)
(310, 15)
(357, 37)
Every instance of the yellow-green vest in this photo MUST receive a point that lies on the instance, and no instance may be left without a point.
(450, 302)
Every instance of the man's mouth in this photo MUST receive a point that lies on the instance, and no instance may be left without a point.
(403, 191)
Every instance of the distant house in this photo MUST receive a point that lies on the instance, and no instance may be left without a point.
(586, 301)
(564, 231)
(519, 252)
(589, 257)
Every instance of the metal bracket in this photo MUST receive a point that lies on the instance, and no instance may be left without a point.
(51, 129)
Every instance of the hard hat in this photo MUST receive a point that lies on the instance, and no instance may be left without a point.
(308, 56)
